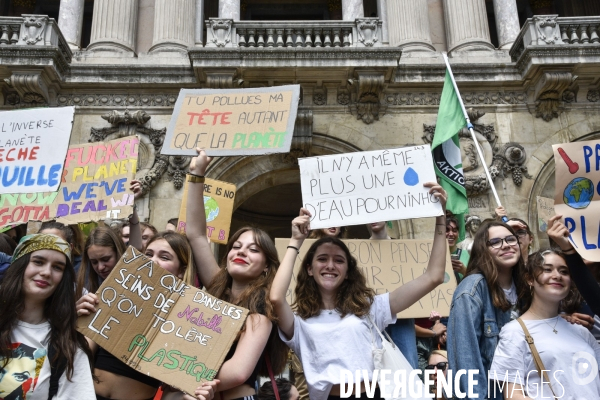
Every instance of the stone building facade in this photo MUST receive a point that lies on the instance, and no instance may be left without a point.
(371, 73)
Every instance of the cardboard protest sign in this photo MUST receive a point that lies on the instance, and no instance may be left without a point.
(33, 144)
(219, 197)
(156, 324)
(232, 122)
(96, 181)
(577, 181)
(387, 265)
(371, 186)
(545, 211)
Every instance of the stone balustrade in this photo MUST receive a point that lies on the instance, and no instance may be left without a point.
(32, 30)
(363, 32)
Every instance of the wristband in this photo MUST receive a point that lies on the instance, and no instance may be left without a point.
(295, 248)
(195, 178)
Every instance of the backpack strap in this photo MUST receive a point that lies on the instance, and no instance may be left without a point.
(57, 368)
(539, 365)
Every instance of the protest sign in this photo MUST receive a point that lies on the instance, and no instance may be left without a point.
(387, 265)
(577, 180)
(156, 324)
(218, 207)
(372, 186)
(545, 211)
(33, 144)
(232, 122)
(96, 181)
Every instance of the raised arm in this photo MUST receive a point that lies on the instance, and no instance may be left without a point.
(409, 293)
(281, 283)
(195, 228)
(135, 233)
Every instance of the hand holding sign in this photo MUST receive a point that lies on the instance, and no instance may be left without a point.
(301, 225)
(558, 232)
(199, 164)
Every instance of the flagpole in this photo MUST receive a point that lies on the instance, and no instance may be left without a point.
(470, 127)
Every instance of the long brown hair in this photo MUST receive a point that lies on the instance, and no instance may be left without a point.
(182, 249)
(482, 262)
(532, 271)
(59, 310)
(256, 296)
(87, 277)
(353, 296)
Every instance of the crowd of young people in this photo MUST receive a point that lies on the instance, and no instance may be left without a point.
(504, 298)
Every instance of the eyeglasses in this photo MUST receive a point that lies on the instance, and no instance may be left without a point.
(496, 243)
(522, 233)
(441, 366)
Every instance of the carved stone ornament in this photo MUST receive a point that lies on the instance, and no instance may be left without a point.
(302, 138)
(34, 27)
(548, 29)
(367, 31)
(367, 105)
(593, 95)
(220, 79)
(549, 91)
(30, 87)
(500, 160)
(220, 32)
(151, 164)
(320, 97)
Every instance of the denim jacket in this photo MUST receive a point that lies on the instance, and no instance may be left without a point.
(473, 331)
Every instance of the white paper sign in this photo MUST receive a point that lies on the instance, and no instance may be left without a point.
(360, 188)
(33, 146)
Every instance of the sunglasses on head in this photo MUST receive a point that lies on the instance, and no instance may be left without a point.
(441, 365)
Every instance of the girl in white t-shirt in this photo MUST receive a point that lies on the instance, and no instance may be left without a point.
(570, 353)
(42, 356)
(330, 329)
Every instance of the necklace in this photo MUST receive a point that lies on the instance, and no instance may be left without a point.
(553, 327)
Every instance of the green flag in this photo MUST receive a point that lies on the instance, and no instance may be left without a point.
(446, 152)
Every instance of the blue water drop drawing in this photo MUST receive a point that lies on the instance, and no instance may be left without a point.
(411, 178)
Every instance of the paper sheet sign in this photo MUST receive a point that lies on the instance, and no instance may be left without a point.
(577, 194)
(387, 265)
(371, 186)
(156, 324)
(545, 210)
(219, 197)
(33, 144)
(231, 122)
(95, 185)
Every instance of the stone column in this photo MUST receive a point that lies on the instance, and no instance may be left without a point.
(173, 25)
(199, 23)
(382, 14)
(466, 25)
(70, 21)
(114, 25)
(507, 22)
(352, 9)
(409, 25)
(229, 9)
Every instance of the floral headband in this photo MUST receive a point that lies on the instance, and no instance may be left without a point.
(41, 241)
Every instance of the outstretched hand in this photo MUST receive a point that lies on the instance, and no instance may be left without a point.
(558, 232)
(439, 193)
(199, 164)
(301, 225)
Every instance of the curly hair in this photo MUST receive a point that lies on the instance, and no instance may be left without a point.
(353, 296)
(256, 295)
(482, 262)
(533, 269)
(59, 310)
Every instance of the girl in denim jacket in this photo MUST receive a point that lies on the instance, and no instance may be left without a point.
(482, 304)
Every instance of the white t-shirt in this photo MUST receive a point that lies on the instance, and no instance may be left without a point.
(27, 375)
(328, 343)
(568, 355)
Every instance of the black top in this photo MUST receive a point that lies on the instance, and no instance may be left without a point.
(107, 362)
(585, 281)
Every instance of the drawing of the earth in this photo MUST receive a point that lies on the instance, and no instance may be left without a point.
(579, 193)
(211, 208)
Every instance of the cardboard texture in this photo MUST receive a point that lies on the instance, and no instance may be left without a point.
(156, 324)
(232, 122)
(219, 197)
(95, 185)
(33, 145)
(387, 265)
(577, 182)
(545, 211)
(360, 188)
